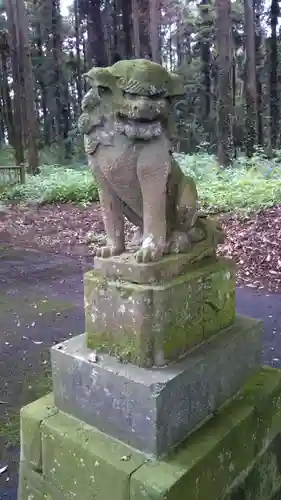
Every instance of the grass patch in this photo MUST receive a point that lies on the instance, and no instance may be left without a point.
(34, 386)
(247, 186)
(7, 156)
(55, 185)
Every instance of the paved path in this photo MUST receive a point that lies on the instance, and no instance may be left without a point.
(41, 303)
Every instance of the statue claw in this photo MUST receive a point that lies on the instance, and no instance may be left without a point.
(179, 243)
(136, 240)
(108, 251)
(149, 252)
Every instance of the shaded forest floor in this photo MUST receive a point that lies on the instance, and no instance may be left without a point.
(253, 241)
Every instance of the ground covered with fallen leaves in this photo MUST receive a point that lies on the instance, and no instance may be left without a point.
(254, 242)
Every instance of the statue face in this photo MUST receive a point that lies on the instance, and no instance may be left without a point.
(97, 108)
(111, 105)
(142, 108)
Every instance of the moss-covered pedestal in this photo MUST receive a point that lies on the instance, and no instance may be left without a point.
(152, 314)
(162, 398)
(235, 456)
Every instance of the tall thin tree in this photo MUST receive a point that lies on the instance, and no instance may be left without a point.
(224, 101)
(154, 28)
(250, 80)
(274, 100)
(205, 46)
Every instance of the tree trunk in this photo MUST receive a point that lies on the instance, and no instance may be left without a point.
(250, 82)
(145, 46)
(14, 51)
(57, 70)
(85, 62)
(205, 63)
(7, 102)
(126, 21)
(180, 57)
(224, 103)
(2, 123)
(21, 23)
(96, 39)
(274, 101)
(259, 66)
(155, 24)
(78, 54)
(136, 29)
(234, 129)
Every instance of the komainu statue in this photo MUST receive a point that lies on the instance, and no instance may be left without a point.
(128, 125)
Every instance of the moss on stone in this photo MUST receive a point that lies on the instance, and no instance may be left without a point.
(210, 460)
(85, 463)
(144, 77)
(219, 297)
(178, 317)
(125, 348)
(158, 323)
(77, 458)
(33, 486)
(31, 417)
(263, 479)
(267, 403)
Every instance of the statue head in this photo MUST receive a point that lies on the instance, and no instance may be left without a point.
(134, 96)
(99, 103)
(147, 88)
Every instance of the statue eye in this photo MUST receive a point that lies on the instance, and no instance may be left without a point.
(103, 90)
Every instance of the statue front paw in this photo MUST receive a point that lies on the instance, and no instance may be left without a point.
(179, 243)
(149, 251)
(136, 240)
(109, 251)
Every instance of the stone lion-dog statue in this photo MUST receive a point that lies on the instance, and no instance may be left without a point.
(128, 125)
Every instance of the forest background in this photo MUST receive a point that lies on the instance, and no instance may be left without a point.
(228, 124)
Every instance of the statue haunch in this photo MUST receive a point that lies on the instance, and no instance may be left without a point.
(127, 122)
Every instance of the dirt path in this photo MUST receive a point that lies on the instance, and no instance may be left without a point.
(41, 303)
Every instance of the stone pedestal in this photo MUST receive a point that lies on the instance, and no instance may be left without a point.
(155, 409)
(234, 456)
(155, 323)
(162, 397)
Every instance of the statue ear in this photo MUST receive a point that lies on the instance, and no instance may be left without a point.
(89, 79)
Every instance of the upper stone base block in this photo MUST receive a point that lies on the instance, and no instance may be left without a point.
(153, 314)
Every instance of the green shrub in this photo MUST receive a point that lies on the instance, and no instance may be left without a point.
(55, 184)
(247, 186)
(6, 155)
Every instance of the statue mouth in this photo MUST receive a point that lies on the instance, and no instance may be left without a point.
(139, 128)
(123, 118)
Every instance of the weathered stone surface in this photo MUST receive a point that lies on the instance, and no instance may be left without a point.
(84, 463)
(210, 460)
(238, 448)
(33, 486)
(277, 495)
(125, 268)
(31, 418)
(154, 409)
(218, 297)
(263, 480)
(158, 323)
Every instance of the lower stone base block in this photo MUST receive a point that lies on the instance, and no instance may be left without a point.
(232, 452)
(263, 479)
(33, 486)
(155, 409)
